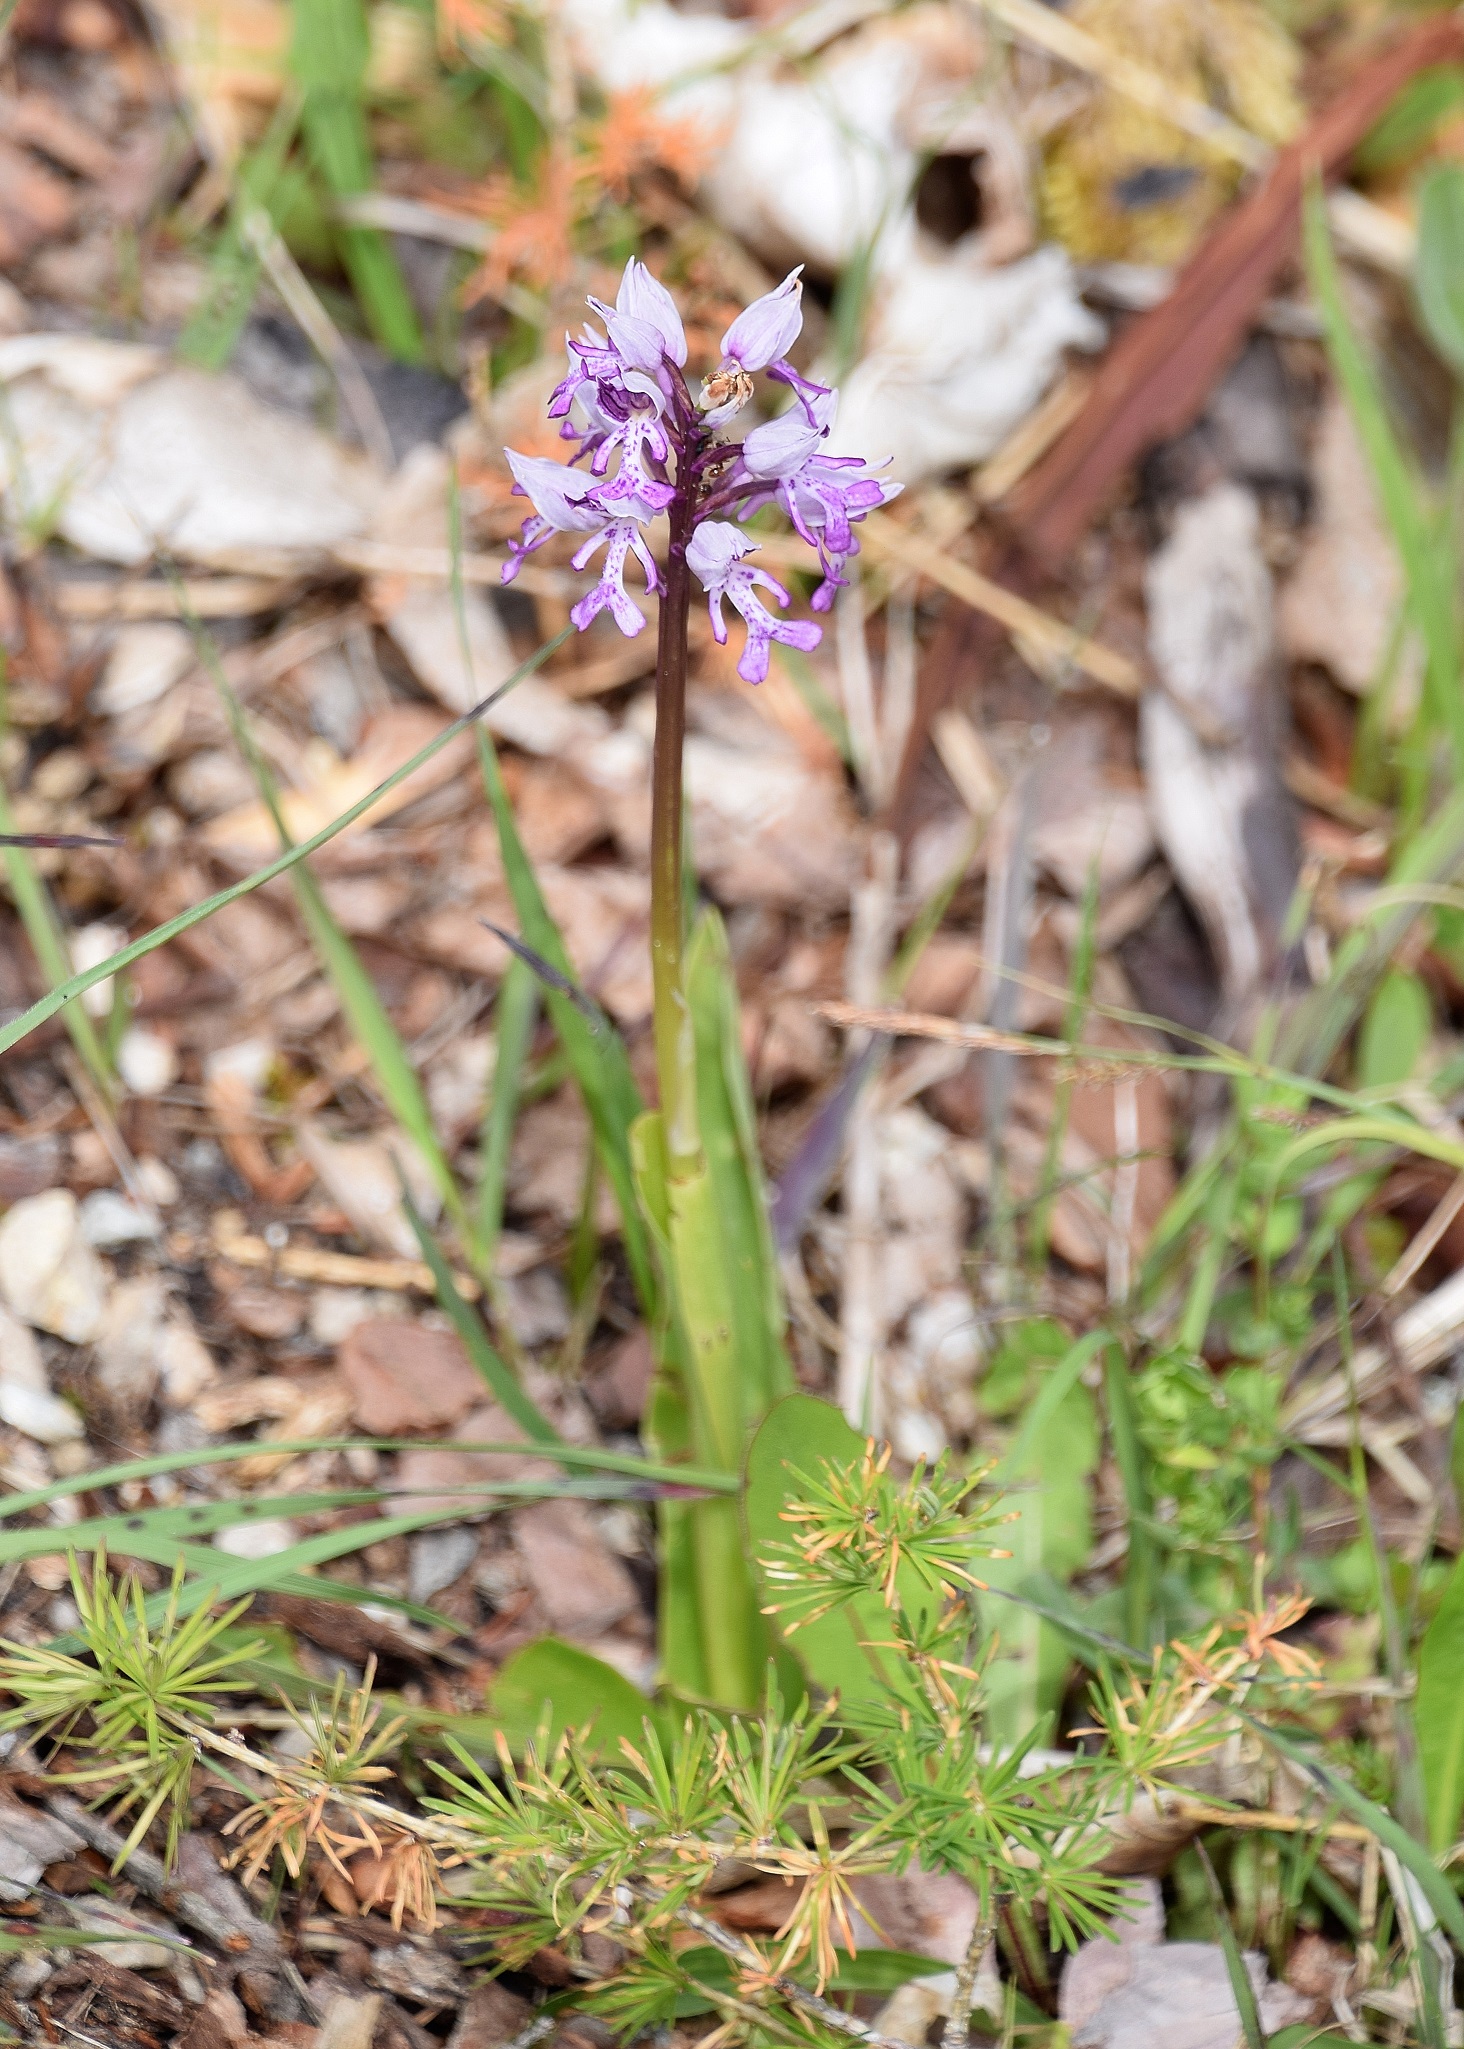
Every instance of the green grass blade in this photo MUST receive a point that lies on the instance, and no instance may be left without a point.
(1425, 564)
(1439, 1713)
(163, 1534)
(734, 1633)
(329, 55)
(1056, 1386)
(1081, 988)
(366, 1013)
(499, 1381)
(1321, 1021)
(645, 1472)
(666, 1428)
(597, 1056)
(76, 985)
(729, 1141)
(1240, 1985)
(1436, 1888)
(516, 1016)
(213, 328)
(1140, 1576)
(45, 931)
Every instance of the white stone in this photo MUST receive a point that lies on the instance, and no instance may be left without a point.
(127, 1365)
(49, 1275)
(263, 1539)
(89, 948)
(109, 1220)
(335, 1312)
(146, 1061)
(159, 1182)
(186, 1364)
(38, 1414)
(20, 1355)
(147, 659)
(248, 1059)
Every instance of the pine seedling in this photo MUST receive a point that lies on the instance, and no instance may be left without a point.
(312, 1805)
(820, 1795)
(134, 1700)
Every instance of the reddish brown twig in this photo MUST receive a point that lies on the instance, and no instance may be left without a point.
(1158, 375)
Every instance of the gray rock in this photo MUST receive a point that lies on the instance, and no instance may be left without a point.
(437, 1558)
(29, 1841)
(418, 1973)
(1130, 1995)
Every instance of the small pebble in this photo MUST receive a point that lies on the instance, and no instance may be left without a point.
(109, 1220)
(263, 1539)
(38, 1414)
(159, 1182)
(248, 1059)
(61, 776)
(49, 1275)
(89, 948)
(147, 659)
(437, 1558)
(147, 1062)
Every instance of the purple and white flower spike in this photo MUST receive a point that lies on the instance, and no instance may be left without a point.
(644, 447)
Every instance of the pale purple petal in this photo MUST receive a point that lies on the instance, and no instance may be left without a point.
(782, 446)
(768, 327)
(808, 393)
(646, 298)
(564, 497)
(713, 550)
(638, 343)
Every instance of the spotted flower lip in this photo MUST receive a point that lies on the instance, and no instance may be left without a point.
(823, 495)
(768, 328)
(715, 554)
(623, 537)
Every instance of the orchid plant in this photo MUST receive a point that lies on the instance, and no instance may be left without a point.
(644, 450)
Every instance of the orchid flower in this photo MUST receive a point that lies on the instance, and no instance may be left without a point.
(643, 448)
(715, 553)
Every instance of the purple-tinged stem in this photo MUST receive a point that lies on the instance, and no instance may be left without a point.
(675, 1044)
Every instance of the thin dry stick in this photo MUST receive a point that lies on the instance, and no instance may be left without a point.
(265, 239)
(1104, 664)
(1125, 1185)
(332, 1269)
(1268, 1819)
(1445, 1211)
(953, 1031)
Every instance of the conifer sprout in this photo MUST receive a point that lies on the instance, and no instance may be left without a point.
(566, 1842)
